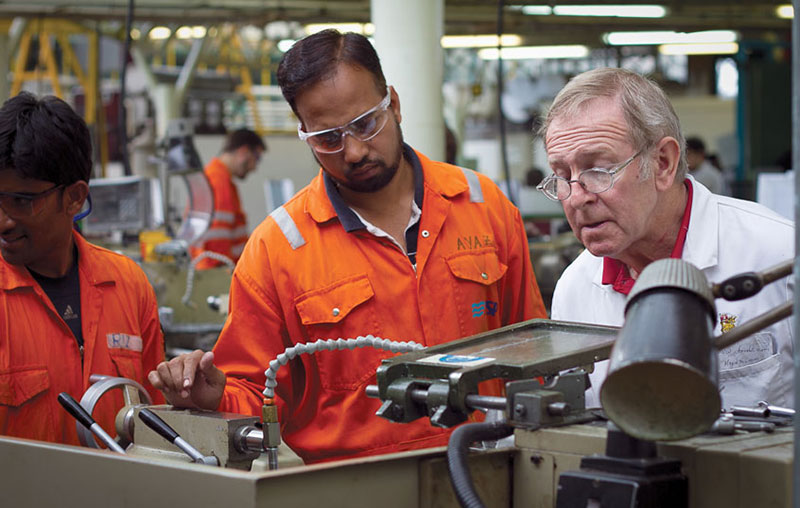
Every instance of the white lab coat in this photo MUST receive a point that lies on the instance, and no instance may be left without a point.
(726, 237)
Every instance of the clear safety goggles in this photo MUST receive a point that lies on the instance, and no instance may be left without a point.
(19, 206)
(364, 127)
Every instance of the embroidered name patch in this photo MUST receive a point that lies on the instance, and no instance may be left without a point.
(457, 360)
(124, 341)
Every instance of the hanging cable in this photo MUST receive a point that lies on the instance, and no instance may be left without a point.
(500, 115)
(123, 117)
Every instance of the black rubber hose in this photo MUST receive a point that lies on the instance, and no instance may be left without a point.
(457, 450)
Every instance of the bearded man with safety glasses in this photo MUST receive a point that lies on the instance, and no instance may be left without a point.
(384, 241)
(68, 309)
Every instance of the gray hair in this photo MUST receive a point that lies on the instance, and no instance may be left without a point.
(647, 110)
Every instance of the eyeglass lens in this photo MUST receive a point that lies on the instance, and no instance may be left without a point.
(363, 129)
(593, 180)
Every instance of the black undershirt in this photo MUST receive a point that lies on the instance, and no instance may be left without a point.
(65, 293)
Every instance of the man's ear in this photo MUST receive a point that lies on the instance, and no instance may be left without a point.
(667, 159)
(74, 196)
(395, 104)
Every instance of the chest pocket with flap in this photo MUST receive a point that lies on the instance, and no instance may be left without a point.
(24, 406)
(344, 309)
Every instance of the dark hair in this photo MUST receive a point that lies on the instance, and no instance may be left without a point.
(243, 137)
(318, 56)
(695, 144)
(44, 139)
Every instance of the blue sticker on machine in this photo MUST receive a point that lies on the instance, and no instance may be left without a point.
(457, 360)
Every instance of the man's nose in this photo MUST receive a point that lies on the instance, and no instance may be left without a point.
(579, 196)
(6, 222)
(353, 149)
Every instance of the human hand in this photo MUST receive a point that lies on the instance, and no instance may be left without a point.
(190, 380)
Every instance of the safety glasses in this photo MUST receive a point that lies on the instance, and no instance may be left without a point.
(19, 206)
(364, 127)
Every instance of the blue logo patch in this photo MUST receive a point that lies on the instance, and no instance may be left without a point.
(488, 307)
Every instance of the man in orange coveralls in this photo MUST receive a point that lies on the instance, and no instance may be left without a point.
(384, 241)
(228, 231)
(68, 309)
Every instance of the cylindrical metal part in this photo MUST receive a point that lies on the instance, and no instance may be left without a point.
(190, 450)
(107, 440)
(473, 401)
(249, 439)
(662, 376)
(272, 458)
(777, 410)
(758, 412)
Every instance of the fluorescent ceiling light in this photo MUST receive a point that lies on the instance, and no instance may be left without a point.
(535, 52)
(611, 11)
(285, 45)
(617, 11)
(720, 48)
(537, 10)
(159, 32)
(785, 11)
(359, 28)
(479, 41)
(191, 32)
(664, 37)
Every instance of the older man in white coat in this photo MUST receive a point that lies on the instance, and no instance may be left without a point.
(619, 167)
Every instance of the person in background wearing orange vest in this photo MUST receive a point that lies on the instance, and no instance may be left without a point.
(383, 241)
(228, 231)
(68, 309)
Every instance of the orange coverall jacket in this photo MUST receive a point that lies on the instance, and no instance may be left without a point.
(227, 233)
(473, 274)
(40, 358)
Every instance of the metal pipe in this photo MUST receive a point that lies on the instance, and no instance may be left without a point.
(796, 167)
(472, 401)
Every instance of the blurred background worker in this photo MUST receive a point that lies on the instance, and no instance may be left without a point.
(701, 168)
(68, 309)
(228, 231)
(383, 241)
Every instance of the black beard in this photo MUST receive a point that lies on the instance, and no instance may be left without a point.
(377, 182)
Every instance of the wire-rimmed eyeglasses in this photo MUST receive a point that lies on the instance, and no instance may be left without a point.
(594, 180)
(363, 127)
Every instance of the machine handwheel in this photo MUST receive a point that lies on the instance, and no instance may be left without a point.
(132, 392)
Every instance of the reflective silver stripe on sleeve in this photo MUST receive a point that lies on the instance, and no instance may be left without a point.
(475, 191)
(289, 228)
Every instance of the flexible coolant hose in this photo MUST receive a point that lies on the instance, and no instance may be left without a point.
(331, 345)
(457, 450)
(190, 273)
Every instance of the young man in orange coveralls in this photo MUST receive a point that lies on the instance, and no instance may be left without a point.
(384, 241)
(228, 231)
(68, 309)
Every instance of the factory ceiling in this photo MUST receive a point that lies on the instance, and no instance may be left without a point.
(754, 19)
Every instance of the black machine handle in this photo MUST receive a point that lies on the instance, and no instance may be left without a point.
(158, 425)
(163, 429)
(83, 416)
(76, 410)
